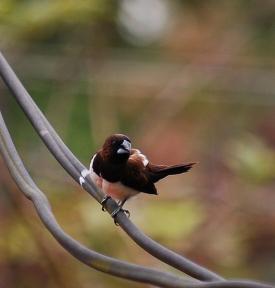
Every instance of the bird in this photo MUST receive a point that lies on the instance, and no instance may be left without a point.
(122, 171)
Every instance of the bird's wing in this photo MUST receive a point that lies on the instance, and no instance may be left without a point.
(135, 176)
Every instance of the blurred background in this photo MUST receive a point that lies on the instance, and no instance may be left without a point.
(187, 81)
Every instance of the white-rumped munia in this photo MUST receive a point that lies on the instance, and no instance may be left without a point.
(122, 172)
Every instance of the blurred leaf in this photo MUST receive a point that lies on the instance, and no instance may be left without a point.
(252, 159)
(172, 220)
(36, 19)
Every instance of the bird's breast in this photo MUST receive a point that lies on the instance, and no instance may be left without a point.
(117, 190)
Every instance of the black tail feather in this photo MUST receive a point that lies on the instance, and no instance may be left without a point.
(159, 172)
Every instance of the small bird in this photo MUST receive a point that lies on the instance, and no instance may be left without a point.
(122, 172)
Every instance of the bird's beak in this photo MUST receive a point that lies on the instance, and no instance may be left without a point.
(125, 147)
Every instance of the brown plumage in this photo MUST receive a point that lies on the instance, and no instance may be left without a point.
(122, 172)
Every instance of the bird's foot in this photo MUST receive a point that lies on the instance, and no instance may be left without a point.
(103, 202)
(115, 212)
(127, 212)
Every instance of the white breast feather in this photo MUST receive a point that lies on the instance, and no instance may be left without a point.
(96, 179)
(91, 164)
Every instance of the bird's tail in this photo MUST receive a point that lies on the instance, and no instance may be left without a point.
(159, 172)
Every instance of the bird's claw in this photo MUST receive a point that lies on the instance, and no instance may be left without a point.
(115, 212)
(103, 202)
(127, 212)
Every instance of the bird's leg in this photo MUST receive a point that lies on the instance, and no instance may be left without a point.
(103, 202)
(120, 204)
(114, 213)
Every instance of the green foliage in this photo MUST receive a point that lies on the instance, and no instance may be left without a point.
(252, 159)
(38, 20)
(79, 136)
(170, 221)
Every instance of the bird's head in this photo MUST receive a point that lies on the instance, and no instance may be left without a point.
(117, 148)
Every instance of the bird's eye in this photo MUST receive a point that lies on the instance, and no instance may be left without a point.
(113, 142)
